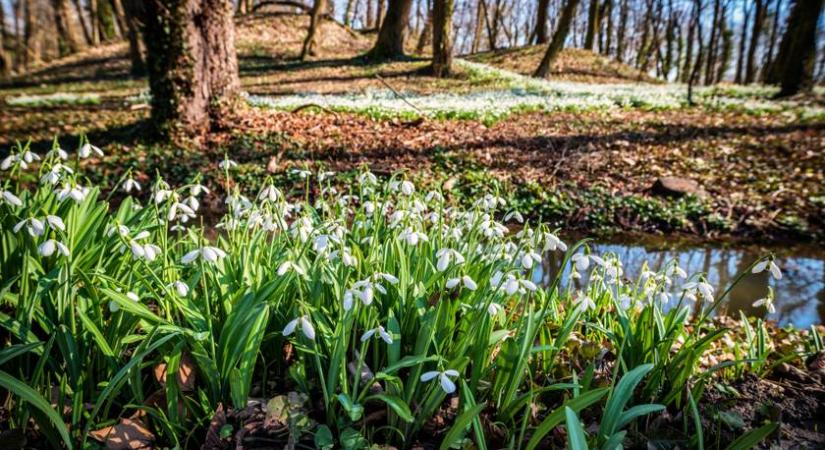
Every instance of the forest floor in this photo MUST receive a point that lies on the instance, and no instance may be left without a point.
(582, 151)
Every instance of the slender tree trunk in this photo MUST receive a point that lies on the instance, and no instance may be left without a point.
(315, 16)
(5, 59)
(670, 38)
(687, 71)
(442, 38)
(390, 42)
(348, 13)
(94, 22)
(758, 21)
(82, 20)
(557, 43)
(133, 10)
(119, 15)
(743, 40)
(727, 51)
(478, 32)
(622, 32)
(541, 22)
(772, 44)
(379, 16)
(797, 52)
(66, 26)
(425, 38)
(592, 25)
(370, 15)
(711, 53)
(193, 68)
(34, 33)
(607, 16)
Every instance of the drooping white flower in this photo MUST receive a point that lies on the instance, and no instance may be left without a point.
(114, 307)
(180, 211)
(180, 287)
(412, 237)
(34, 226)
(58, 152)
(8, 161)
(48, 248)
(466, 280)
(209, 254)
(514, 215)
(581, 261)
(75, 192)
(528, 258)
(131, 185)
(197, 189)
(286, 266)
(30, 157)
(583, 302)
(776, 273)
(306, 327)
(56, 222)
(377, 331)
(88, 149)
(446, 256)
(11, 199)
(367, 179)
(269, 194)
(494, 308)
(444, 380)
(767, 302)
(227, 164)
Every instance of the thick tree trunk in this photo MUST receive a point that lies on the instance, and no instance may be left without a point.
(390, 42)
(83, 25)
(559, 37)
(193, 68)
(758, 21)
(592, 25)
(442, 38)
(119, 15)
(743, 39)
(134, 11)
(541, 22)
(379, 15)
(315, 17)
(66, 26)
(34, 33)
(797, 52)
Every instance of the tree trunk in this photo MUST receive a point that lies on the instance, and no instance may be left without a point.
(559, 37)
(797, 52)
(687, 70)
(193, 68)
(119, 15)
(379, 15)
(442, 38)
(767, 67)
(608, 32)
(34, 33)
(94, 22)
(424, 38)
(712, 44)
(541, 22)
(82, 20)
(133, 10)
(592, 25)
(106, 19)
(315, 17)
(5, 59)
(390, 42)
(727, 51)
(66, 26)
(478, 32)
(243, 7)
(758, 21)
(622, 33)
(743, 39)
(348, 13)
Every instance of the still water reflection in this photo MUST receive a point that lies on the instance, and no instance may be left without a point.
(800, 294)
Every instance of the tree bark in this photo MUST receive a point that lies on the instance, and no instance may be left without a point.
(607, 14)
(758, 21)
(82, 20)
(622, 32)
(5, 59)
(478, 32)
(442, 38)
(193, 68)
(390, 42)
(94, 22)
(712, 44)
(559, 37)
(541, 21)
(592, 25)
(797, 52)
(133, 10)
(315, 17)
(425, 38)
(767, 67)
(33, 34)
(66, 26)
(743, 40)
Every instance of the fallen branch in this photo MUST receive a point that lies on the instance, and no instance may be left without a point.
(314, 105)
(398, 94)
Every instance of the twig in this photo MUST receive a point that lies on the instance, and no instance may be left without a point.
(398, 94)
(314, 105)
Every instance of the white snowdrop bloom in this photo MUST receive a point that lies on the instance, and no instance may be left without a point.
(347, 301)
(390, 278)
(269, 194)
(514, 215)
(287, 266)
(301, 173)
(209, 254)
(56, 222)
(122, 230)
(675, 270)
(346, 257)
(706, 290)
(30, 157)
(180, 211)
(131, 185)
(48, 248)
(446, 256)
(58, 153)
(494, 309)
(151, 252)
(367, 179)
(227, 164)
(302, 228)
(325, 175)
(306, 327)
(528, 258)
(663, 297)
(412, 237)
(767, 302)
(197, 189)
(180, 287)
(77, 193)
(407, 188)
(377, 331)
(11, 199)
(490, 201)
(434, 196)
(447, 385)
(88, 150)
(114, 307)
(466, 280)
(34, 226)
(776, 273)
(581, 261)
(192, 202)
(322, 242)
(8, 161)
(583, 302)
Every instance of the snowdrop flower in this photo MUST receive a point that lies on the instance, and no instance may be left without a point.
(180, 287)
(301, 173)
(29, 157)
(447, 385)
(767, 302)
(776, 273)
(434, 196)
(367, 179)
(323, 175)
(306, 327)
(322, 242)
(88, 149)
(54, 174)
(48, 248)
(494, 309)
(209, 254)
(114, 307)
(130, 184)
(197, 189)
(34, 226)
(704, 288)
(11, 199)
(583, 302)
(286, 266)
(227, 164)
(528, 258)
(346, 257)
(466, 280)
(377, 331)
(581, 261)
(677, 271)
(511, 284)
(514, 215)
(180, 211)
(8, 161)
(406, 187)
(446, 256)
(490, 201)
(56, 222)
(269, 194)
(58, 152)
(77, 193)
(412, 237)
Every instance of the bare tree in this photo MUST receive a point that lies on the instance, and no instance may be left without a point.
(797, 52)
(5, 58)
(390, 42)
(315, 17)
(133, 10)
(559, 37)
(756, 32)
(743, 40)
(442, 38)
(194, 71)
(541, 22)
(592, 25)
(66, 25)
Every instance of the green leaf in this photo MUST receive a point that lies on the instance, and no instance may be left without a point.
(323, 438)
(556, 417)
(620, 396)
(576, 439)
(31, 396)
(638, 411)
(460, 425)
(753, 437)
(397, 404)
(354, 410)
